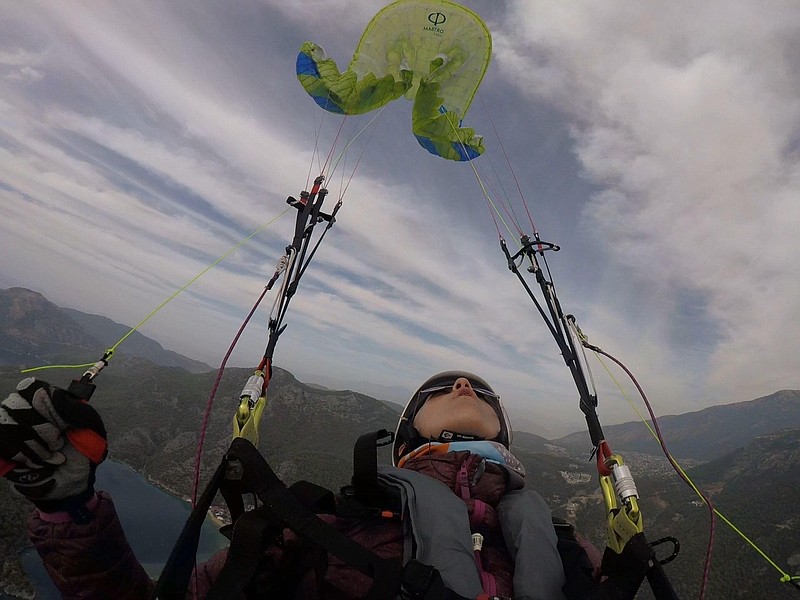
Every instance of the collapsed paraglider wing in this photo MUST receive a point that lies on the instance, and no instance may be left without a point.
(432, 51)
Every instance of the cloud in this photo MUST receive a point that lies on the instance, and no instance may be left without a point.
(690, 129)
(18, 64)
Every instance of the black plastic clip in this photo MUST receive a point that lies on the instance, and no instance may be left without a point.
(676, 548)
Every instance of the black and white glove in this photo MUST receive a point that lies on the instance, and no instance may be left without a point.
(50, 445)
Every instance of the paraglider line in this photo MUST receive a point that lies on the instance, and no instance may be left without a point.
(317, 133)
(504, 202)
(510, 166)
(480, 181)
(315, 152)
(333, 145)
(785, 577)
(681, 473)
(488, 198)
(212, 395)
(352, 141)
(170, 298)
(358, 162)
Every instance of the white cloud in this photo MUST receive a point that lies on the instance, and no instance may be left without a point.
(685, 124)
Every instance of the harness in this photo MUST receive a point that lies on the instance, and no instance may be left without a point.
(244, 471)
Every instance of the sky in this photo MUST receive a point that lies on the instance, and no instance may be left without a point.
(656, 143)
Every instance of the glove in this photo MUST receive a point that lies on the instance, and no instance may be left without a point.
(50, 445)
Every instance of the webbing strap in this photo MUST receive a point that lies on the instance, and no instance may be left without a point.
(251, 535)
(659, 583)
(243, 555)
(292, 508)
(279, 502)
(365, 468)
(314, 496)
(174, 579)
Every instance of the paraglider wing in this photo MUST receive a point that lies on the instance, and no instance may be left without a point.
(346, 93)
(432, 51)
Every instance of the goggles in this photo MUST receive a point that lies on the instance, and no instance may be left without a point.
(482, 393)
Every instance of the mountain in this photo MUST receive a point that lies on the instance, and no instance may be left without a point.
(35, 331)
(152, 400)
(706, 434)
(756, 487)
(108, 333)
(392, 394)
(532, 442)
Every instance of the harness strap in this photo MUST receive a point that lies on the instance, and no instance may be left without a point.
(174, 579)
(244, 553)
(365, 468)
(463, 478)
(476, 519)
(280, 503)
(252, 533)
(314, 496)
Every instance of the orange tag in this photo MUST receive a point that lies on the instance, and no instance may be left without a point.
(89, 443)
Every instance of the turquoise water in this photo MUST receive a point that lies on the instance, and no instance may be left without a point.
(151, 518)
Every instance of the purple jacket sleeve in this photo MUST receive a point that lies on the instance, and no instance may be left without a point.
(92, 560)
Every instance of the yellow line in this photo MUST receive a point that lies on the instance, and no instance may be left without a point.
(785, 577)
(480, 181)
(168, 300)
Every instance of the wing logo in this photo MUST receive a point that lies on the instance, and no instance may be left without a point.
(436, 18)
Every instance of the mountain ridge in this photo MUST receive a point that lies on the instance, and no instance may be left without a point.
(35, 330)
(108, 332)
(705, 434)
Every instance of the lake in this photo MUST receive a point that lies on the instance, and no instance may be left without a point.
(152, 520)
